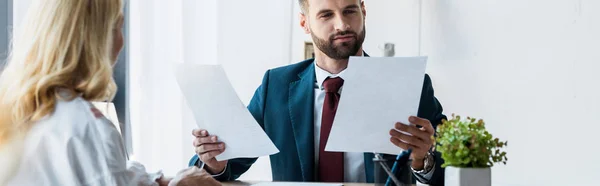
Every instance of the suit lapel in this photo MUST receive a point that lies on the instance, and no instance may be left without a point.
(301, 102)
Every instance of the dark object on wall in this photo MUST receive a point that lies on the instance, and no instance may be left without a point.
(309, 51)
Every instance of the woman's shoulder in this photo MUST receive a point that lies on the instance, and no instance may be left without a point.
(77, 108)
(75, 117)
(67, 139)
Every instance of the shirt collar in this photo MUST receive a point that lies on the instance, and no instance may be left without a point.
(321, 74)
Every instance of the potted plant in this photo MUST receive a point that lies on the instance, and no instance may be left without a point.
(469, 151)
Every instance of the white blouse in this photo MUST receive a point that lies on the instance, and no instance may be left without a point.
(77, 145)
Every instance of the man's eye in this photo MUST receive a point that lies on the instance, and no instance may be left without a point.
(326, 15)
(349, 12)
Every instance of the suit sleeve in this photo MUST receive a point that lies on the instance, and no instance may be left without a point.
(236, 167)
(431, 109)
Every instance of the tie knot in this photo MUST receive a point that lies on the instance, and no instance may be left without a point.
(333, 84)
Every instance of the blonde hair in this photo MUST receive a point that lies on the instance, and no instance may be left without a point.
(61, 44)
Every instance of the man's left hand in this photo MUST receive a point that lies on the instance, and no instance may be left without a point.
(420, 140)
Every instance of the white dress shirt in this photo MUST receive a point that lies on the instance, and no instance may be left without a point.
(354, 162)
(77, 145)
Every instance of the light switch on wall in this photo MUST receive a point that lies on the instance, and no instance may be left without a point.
(389, 50)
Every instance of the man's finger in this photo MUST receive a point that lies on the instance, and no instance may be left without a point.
(209, 155)
(401, 144)
(199, 132)
(412, 129)
(407, 146)
(425, 123)
(205, 140)
(406, 138)
(211, 147)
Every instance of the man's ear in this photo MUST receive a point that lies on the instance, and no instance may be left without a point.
(364, 10)
(304, 23)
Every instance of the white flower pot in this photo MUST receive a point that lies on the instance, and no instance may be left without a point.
(455, 176)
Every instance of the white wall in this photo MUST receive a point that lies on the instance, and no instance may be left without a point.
(200, 44)
(253, 36)
(530, 69)
(19, 11)
(395, 22)
(156, 45)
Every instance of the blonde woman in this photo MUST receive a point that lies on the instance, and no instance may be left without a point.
(50, 134)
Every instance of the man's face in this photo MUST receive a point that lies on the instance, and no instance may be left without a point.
(337, 27)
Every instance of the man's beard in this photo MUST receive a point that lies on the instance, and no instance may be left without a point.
(342, 50)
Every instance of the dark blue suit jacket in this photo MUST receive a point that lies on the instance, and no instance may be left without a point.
(283, 106)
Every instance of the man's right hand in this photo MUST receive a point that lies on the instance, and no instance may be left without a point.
(207, 148)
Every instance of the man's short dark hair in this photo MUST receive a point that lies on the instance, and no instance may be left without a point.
(303, 5)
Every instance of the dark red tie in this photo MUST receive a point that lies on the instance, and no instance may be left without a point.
(331, 164)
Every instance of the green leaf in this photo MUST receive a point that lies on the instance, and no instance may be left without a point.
(466, 143)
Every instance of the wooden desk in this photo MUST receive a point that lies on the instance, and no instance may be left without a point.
(243, 183)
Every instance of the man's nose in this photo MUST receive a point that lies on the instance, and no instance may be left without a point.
(341, 24)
